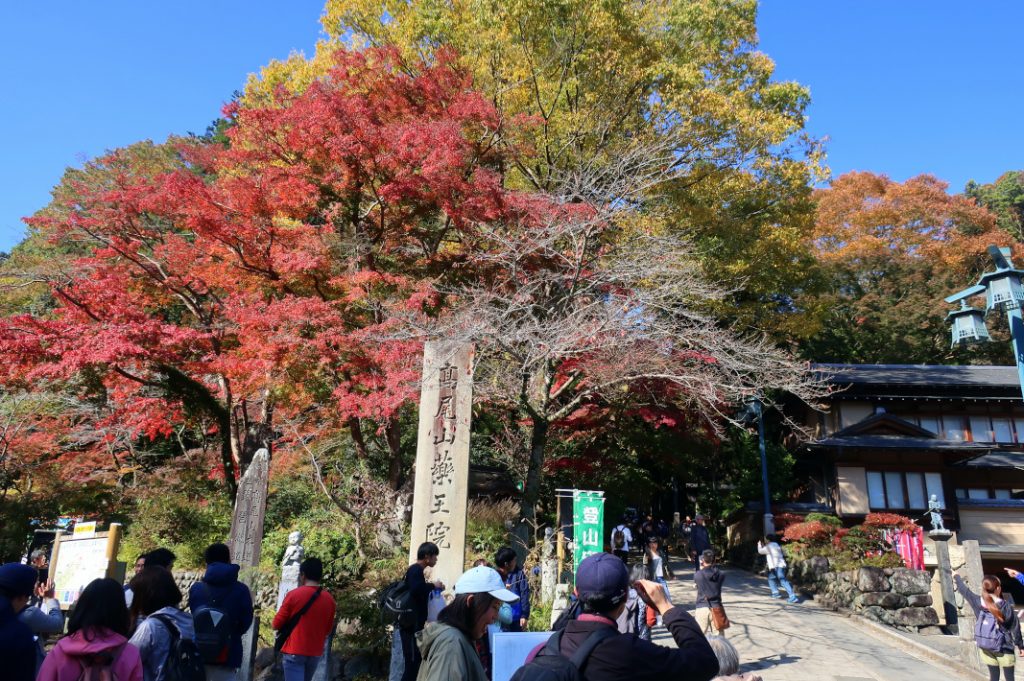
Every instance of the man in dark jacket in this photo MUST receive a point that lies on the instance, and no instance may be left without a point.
(602, 582)
(420, 588)
(17, 645)
(507, 563)
(709, 580)
(221, 589)
(699, 539)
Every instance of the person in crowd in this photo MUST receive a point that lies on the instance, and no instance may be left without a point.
(447, 645)
(140, 562)
(405, 638)
(621, 538)
(305, 645)
(155, 608)
(728, 661)
(1016, 575)
(43, 618)
(663, 532)
(507, 563)
(699, 540)
(633, 619)
(602, 582)
(776, 567)
(656, 564)
(41, 562)
(221, 589)
(991, 605)
(683, 535)
(17, 645)
(648, 529)
(709, 580)
(97, 638)
(160, 558)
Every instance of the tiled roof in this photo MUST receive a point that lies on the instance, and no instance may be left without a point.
(896, 442)
(919, 375)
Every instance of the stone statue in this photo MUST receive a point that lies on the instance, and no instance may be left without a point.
(935, 510)
(294, 554)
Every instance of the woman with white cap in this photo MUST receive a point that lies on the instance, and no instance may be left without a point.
(447, 644)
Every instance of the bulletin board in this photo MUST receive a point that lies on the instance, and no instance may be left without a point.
(76, 561)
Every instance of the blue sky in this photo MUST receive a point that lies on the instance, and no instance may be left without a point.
(901, 87)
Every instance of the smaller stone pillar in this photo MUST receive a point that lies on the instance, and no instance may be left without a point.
(323, 669)
(941, 538)
(548, 568)
(974, 574)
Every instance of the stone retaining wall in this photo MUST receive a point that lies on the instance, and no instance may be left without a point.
(264, 595)
(897, 597)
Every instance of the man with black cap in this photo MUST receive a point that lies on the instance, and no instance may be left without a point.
(17, 647)
(602, 583)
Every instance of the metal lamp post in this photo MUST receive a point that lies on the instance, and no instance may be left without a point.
(1003, 292)
(755, 409)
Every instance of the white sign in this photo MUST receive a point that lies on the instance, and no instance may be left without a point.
(79, 561)
(510, 649)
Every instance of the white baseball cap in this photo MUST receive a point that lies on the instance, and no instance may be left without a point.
(483, 579)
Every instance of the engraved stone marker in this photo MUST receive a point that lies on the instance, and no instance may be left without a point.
(442, 458)
(246, 538)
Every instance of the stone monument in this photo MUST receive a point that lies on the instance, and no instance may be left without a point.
(941, 536)
(442, 457)
(293, 556)
(246, 538)
(549, 567)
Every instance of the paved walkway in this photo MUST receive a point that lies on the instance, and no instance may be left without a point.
(803, 642)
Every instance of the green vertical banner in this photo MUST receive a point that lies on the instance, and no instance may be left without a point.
(588, 524)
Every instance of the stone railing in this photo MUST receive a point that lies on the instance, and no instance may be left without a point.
(897, 597)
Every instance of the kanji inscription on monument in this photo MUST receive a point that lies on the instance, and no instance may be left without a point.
(250, 509)
(442, 457)
(247, 536)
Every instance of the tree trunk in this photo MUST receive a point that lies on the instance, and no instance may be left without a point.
(393, 434)
(534, 473)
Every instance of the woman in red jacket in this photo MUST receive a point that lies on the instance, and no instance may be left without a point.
(309, 630)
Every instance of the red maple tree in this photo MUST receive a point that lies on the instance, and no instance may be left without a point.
(258, 281)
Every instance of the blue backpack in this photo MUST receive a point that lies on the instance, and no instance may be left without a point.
(987, 632)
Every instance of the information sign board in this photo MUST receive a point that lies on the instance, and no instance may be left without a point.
(76, 561)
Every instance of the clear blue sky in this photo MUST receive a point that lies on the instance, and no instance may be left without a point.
(901, 87)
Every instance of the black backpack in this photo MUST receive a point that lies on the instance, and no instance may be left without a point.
(619, 537)
(396, 605)
(184, 663)
(214, 628)
(551, 665)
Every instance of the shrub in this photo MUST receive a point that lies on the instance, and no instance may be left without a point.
(889, 521)
(487, 527)
(847, 548)
(824, 518)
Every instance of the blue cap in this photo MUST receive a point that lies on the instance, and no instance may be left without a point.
(602, 576)
(18, 579)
